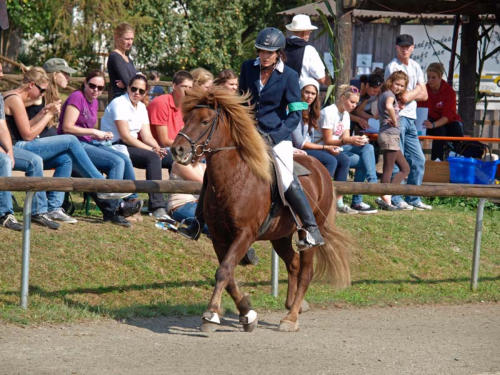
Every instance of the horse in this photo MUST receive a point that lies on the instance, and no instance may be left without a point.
(237, 199)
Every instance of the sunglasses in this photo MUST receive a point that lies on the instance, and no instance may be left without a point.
(354, 90)
(135, 89)
(95, 87)
(40, 89)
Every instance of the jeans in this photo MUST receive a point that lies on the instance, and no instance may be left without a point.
(363, 160)
(5, 196)
(337, 165)
(51, 147)
(115, 164)
(186, 212)
(32, 165)
(412, 150)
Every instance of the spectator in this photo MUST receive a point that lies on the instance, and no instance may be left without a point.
(306, 135)
(63, 148)
(120, 66)
(410, 145)
(165, 114)
(335, 124)
(127, 118)
(388, 137)
(7, 161)
(367, 107)
(58, 72)
(202, 78)
(443, 119)
(79, 117)
(300, 55)
(156, 90)
(228, 79)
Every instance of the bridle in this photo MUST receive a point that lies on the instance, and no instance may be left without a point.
(198, 149)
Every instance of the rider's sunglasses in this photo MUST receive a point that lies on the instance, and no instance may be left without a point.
(135, 89)
(93, 86)
(39, 88)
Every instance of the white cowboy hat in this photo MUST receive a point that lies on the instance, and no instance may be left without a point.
(300, 22)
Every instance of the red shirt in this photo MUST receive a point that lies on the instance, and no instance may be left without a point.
(163, 112)
(442, 103)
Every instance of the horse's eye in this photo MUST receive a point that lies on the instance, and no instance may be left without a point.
(205, 122)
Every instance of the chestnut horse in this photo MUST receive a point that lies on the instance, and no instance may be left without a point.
(237, 201)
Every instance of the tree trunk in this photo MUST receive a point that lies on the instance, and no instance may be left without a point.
(468, 77)
(343, 50)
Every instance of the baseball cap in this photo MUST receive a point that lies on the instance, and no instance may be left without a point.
(404, 40)
(375, 80)
(56, 64)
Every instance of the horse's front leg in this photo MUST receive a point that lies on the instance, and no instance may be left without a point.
(229, 257)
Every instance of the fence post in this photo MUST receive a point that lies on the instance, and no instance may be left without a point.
(274, 273)
(477, 244)
(25, 271)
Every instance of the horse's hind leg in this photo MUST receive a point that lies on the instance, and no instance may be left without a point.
(290, 323)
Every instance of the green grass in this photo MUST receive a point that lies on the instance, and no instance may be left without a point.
(93, 270)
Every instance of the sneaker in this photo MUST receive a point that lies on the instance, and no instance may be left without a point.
(345, 209)
(161, 214)
(130, 207)
(10, 222)
(364, 209)
(421, 206)
(118, 220)
(250, 258)
(44, 221)
(60, 215)
(383, 205)
(403, 206)
(106, 196)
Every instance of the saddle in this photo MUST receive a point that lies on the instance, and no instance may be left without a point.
(278, 199)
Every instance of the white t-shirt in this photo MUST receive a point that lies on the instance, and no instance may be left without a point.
(121, 108)
(312, 65)
(330, 118)
(415, 75)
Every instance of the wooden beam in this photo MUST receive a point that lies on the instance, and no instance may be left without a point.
(191, 187)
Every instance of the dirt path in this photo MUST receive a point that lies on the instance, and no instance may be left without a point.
(402, 340)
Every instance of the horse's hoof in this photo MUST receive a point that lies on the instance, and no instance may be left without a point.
(249, 321)
(208, 327)
(288, 326)
(304, 307)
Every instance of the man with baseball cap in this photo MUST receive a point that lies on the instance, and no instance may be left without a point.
(415, 91)
(301, 56)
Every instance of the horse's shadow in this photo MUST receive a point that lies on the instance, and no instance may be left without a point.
(190, 325)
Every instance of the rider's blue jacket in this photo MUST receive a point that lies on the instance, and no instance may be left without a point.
(271, 101)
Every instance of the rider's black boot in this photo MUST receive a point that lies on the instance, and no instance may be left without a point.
(298, 200)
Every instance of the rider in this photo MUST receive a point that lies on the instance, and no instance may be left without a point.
(278, 105)
(278, 111)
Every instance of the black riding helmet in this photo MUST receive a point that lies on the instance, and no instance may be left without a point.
(270, 39)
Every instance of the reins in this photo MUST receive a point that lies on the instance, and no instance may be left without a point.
(199, 149)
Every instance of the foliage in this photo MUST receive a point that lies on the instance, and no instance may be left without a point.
(170, 34)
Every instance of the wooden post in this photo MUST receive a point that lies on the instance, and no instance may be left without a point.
(343, 49)
(451, 66)
(468, 64)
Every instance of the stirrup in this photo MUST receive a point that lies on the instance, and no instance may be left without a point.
(191, 231)
(312, 238)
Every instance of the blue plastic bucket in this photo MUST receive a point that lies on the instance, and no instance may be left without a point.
(462, 170)
(485, 172)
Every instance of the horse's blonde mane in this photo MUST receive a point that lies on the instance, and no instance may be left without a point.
(240, 119)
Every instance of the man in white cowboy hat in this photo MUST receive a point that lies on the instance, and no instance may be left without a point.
(300, 55)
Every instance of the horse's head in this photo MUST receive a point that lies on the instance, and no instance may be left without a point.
(200, 134)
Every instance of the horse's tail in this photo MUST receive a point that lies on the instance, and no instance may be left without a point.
(332, 259)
